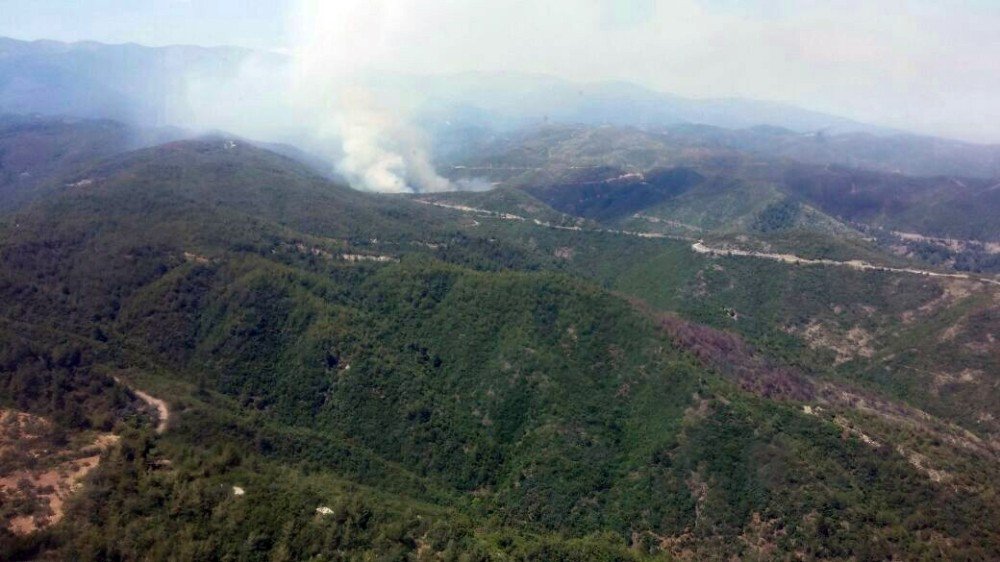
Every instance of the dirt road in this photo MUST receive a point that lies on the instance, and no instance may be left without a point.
(162, 410)
(701, 248)
(698, 246)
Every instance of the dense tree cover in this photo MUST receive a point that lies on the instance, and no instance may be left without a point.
(607, 194)
(137, 499)
(467, 398)
(38, 153)
(942, 206)
(58, 375)
(779, 216)
(774, 304)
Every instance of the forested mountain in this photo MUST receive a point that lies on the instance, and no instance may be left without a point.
(505, 375)
(679, 183)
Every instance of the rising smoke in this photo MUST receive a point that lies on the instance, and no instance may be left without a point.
(379, 148)
(324, 95)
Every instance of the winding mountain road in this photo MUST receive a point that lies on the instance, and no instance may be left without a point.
(161, 407)
(699, 247)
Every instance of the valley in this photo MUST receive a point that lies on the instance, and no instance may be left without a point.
(255, 307)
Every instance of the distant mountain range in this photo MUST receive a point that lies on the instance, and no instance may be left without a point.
(139, 85)
(149, 86)
(241, 90)
(155, 86)
(514, 100)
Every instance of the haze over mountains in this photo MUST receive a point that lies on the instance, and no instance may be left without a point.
(254, 94)
(156, 86)
(256, 307)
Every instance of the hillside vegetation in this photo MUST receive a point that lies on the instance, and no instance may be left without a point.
(352, 376)
(742, 188)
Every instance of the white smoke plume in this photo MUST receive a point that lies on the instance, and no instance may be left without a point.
(380, 149)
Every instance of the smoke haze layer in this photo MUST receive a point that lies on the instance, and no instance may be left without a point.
(927, 66)
(379, 147)
(383, 89)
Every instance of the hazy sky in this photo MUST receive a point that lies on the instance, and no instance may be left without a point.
(922, 65)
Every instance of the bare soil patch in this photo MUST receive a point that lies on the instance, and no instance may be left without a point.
(41, 467)
(847, 345)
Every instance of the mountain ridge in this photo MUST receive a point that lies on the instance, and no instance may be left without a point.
(354, 374)
(610, 101)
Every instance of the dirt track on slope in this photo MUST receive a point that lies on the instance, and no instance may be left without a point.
(701, 248)
(161, 407)
(698, 246)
